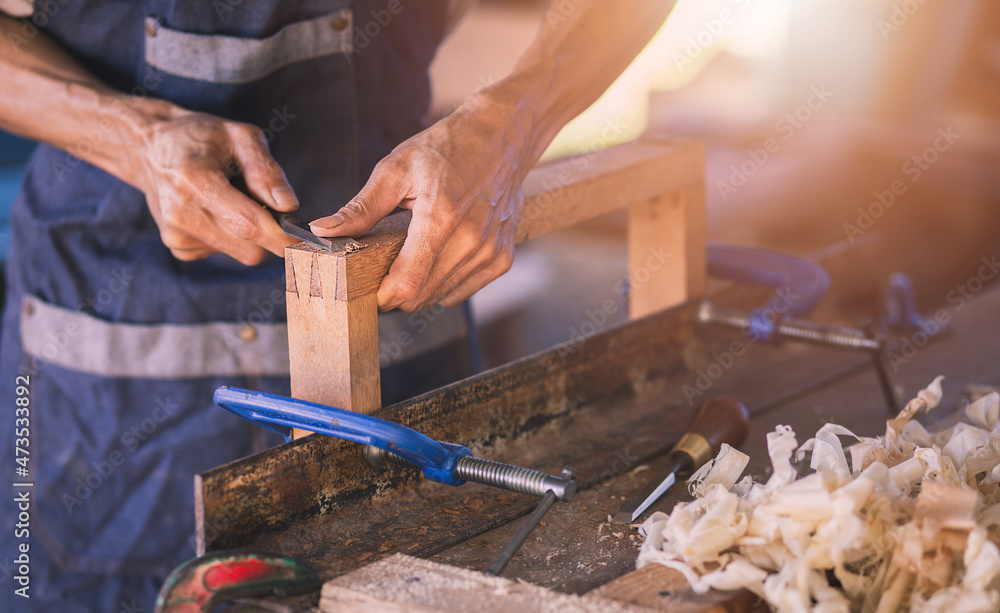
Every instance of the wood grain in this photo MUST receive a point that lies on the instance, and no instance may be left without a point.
(403, 583)
(563, 193)
(658, 588)
(332, 343)
(666, 250)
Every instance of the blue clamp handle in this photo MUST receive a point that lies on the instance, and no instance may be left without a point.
(280, 414)
(800, 284)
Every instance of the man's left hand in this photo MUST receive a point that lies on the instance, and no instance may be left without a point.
(462, 179)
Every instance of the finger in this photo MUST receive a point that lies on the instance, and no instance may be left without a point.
(500, 248)
(478, 280)
(411, 268)
(189, 255)
(465, 251)
(264, 178)
(383, 192)
(234, 224)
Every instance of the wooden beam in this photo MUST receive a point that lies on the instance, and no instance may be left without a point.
(563, 193)
(658, 588)
(403, 583)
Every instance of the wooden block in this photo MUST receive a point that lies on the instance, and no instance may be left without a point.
(332, 340)
(658, 588)
(403, 583)
(666, 250)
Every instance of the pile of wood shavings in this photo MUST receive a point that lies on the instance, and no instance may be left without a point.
(911, 523)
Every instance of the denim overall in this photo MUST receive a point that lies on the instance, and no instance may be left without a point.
(124, 344)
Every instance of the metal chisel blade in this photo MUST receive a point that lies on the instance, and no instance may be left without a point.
(634, 508)
(293, 226)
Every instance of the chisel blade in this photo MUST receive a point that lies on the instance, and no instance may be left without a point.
(293, 226)
(635, 507)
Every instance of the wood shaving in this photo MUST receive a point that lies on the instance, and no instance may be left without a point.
(352, 246)
(905, 522)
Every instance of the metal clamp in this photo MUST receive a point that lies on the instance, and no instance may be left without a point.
(439, 461)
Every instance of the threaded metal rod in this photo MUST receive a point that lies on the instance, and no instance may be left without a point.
(796, 329)
(489, 472)
(516, 478)
(816, 333)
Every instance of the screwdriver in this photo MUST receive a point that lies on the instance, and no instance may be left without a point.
(717, 420)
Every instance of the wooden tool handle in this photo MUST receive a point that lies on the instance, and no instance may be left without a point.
(716, 421)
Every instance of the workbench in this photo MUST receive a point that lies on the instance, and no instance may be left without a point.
(611, 407)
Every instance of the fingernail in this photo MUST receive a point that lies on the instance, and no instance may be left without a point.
(284, 197)
(328, 222)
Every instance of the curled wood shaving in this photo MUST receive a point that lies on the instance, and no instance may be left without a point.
(905, 522)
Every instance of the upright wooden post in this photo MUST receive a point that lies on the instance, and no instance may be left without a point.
(333, 317)
(666, 250)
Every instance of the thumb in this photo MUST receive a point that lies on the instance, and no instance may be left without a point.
(380, 196)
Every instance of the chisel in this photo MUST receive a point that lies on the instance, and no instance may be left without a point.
(295, 227)
(716, 421)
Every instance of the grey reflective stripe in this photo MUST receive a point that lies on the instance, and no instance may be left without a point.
(227, 59)
(77, 341)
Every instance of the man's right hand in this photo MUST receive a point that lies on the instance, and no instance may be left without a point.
(185, 167)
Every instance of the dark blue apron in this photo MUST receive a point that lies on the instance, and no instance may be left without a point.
(123, 344)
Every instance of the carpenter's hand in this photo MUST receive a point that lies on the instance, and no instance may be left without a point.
(462, 179)
(185, 169)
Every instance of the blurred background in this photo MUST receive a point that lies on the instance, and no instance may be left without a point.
(844, 92)
(849, 91)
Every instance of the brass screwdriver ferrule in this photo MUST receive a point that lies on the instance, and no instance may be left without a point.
(696, 447)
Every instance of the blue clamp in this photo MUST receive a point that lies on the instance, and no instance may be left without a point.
(799, 284)
(436, 459)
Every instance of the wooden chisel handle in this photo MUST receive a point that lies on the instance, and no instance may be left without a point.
(716, 421)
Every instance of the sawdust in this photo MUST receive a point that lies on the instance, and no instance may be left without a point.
(907, 521)
(353, 246)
